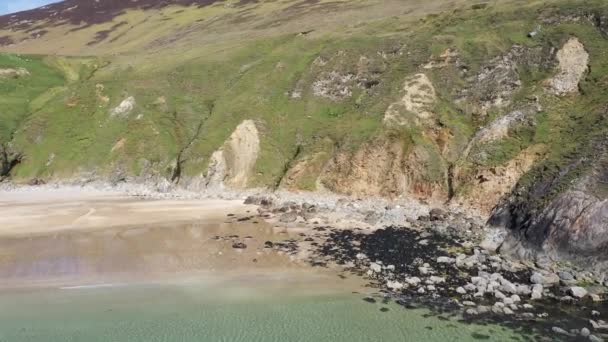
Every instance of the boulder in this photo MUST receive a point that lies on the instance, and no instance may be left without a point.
(493, 240)
(523, 290)
(561, 331)
(437, 214)
(445, 260)
(361, 256)
(585, 332)
(545, 279)
(375, 267)
(594, 338)
(394, 285)
(577, 292)
(436, 280)
(413, 280)
(537, 291)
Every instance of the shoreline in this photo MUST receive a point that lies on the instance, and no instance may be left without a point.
(414, 255)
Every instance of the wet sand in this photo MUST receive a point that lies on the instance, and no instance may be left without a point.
(71, 238)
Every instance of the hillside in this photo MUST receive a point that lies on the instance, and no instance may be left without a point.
(497, 107)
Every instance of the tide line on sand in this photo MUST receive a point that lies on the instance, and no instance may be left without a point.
(90, 286)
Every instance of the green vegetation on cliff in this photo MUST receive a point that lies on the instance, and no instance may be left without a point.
(414, 91)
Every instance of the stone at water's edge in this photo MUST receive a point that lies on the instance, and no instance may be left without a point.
(493, 240)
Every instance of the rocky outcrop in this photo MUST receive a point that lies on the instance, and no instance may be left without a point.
(8, 160)
(562, 215)
(334, 86)
(124, 108)
(233, 164)
(498, 81)
(573, 64)
(13, 72)
(500, 128)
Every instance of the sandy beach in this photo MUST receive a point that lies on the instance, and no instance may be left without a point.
(27, 212)
(75, 237)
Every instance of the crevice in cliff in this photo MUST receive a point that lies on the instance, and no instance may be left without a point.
(8, 161)
(450, 182)
(288, 165)
(181, 155)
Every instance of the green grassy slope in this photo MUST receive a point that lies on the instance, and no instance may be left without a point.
(60, 118)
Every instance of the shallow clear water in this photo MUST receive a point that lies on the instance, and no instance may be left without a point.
(202, 312)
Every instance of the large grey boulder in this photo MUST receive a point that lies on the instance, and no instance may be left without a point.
(577, 292)
(545, 279)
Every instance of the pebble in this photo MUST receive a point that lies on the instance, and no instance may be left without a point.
(461, 290)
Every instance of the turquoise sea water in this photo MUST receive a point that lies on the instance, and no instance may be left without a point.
(199, 312)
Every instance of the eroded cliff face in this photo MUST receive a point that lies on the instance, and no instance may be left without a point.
(232, 165)
(388, 166)
(571, 224)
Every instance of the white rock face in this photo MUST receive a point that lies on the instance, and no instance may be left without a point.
(233, 163)
(124, 108)
(573, 64)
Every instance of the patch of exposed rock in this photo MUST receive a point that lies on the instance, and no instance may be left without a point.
(334, 86)
(13, 72)
(500, 128)
(233, 164)
(573, 63)
(446, 58)
(498, 80)
(416, 104)
(125, 107)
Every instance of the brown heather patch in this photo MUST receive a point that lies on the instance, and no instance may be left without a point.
(91, 12)
(6, 40)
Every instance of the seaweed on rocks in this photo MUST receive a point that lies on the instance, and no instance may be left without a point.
(422, 269)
